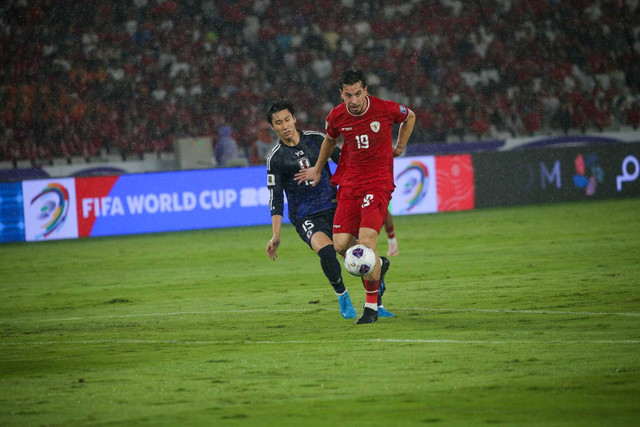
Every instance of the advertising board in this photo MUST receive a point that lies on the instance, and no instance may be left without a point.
(432, 184)
(172, 201)
(555, 175)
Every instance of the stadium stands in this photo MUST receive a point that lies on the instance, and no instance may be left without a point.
(126, 78)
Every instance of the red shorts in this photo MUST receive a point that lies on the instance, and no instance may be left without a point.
(357, 209)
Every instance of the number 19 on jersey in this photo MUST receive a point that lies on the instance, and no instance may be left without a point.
(362, 141)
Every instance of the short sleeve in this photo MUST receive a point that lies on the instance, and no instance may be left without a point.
(399, 112)
(330, 129)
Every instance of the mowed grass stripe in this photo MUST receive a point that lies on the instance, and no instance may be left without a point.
(319, 342)
(300, 310)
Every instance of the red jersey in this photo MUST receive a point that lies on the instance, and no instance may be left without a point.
(366, 159)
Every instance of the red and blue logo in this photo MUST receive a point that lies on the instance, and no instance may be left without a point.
(588, 173)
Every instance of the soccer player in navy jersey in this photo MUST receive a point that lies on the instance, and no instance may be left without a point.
(311, 208)
(365, 170)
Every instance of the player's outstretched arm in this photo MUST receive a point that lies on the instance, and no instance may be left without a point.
(404, 132)
(272, 245)
(314, 173)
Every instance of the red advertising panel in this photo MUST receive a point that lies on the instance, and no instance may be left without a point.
(93, 201)
(454, 181)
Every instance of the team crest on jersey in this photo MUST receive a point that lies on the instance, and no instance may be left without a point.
(271, 179)
(304, 163)
(403, 109)
(375, 126)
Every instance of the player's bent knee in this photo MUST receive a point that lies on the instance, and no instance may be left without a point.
(327, 252)
(370, 244)
(340, 248)
(343, 242)
(369, 239)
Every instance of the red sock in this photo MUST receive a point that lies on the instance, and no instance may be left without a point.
(371, 287)
(390, 231)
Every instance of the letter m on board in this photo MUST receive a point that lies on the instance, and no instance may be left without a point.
(554, 175)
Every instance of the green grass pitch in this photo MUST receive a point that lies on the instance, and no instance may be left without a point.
(512, 316)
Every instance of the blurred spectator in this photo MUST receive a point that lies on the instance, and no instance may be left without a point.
(562, 117)
(90, 78)
(513, 123)
(633, 114)
(227, 150)
(480, 123)
(263, 145)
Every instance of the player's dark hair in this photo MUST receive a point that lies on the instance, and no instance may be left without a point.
(352, 76)
(279, 105)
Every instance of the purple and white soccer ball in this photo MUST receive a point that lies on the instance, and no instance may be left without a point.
(359, 260)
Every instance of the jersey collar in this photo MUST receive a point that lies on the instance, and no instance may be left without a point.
(295, 145)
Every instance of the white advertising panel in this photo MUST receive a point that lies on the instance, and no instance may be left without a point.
(415, 192)
(50, 209)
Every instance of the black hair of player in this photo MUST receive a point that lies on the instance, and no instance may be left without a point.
(352, 76)
(279, 105)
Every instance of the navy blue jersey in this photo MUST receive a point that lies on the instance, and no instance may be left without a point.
(283, 162)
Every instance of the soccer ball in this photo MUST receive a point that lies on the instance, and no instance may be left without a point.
(359, 260)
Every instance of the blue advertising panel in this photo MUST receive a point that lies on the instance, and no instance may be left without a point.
(11, 219)
(172, 201)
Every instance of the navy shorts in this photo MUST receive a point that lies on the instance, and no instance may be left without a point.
(309, 225)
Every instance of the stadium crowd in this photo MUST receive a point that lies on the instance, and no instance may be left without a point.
(131, 76)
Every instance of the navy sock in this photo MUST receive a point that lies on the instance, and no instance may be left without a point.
(331, 268)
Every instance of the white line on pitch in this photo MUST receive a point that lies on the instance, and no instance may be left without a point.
(510, 310)
(271, 342)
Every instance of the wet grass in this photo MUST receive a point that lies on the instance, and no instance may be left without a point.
(513, 316)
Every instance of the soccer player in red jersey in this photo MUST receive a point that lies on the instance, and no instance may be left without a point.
(365, 170)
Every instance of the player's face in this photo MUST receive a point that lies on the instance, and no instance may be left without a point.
(355, 96)
(284, 123)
